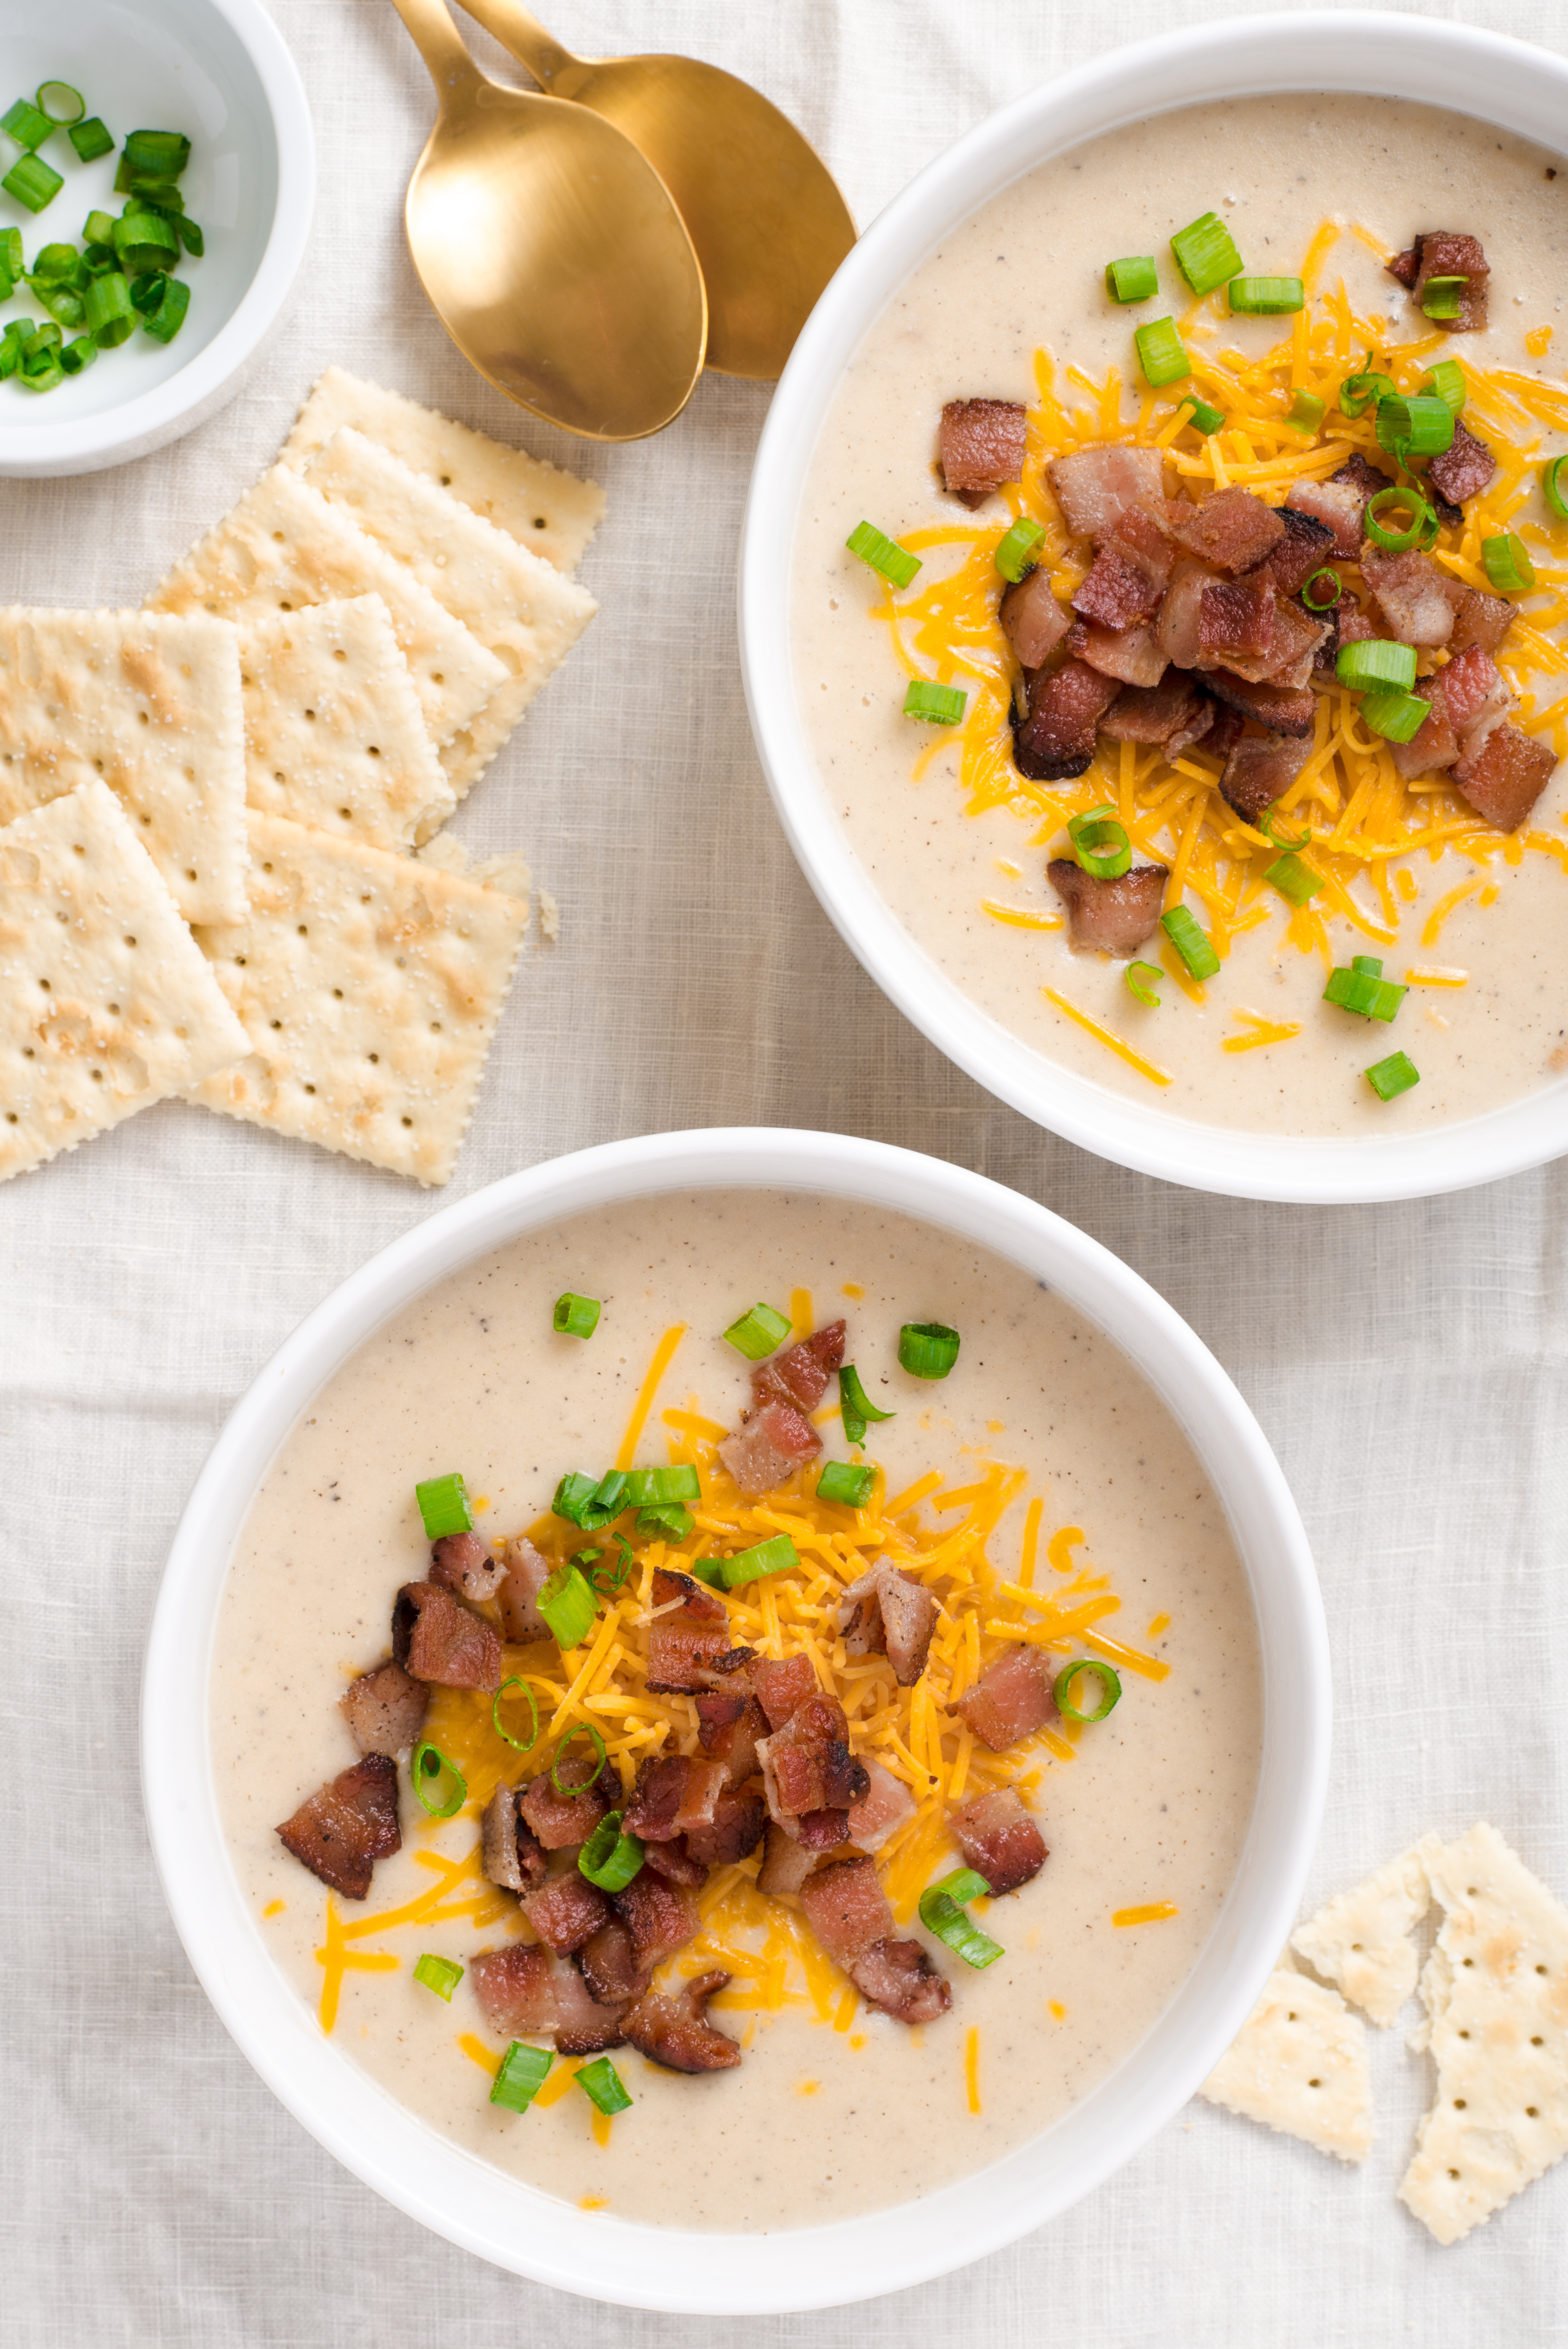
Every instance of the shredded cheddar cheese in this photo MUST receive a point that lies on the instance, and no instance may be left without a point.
(972, 2068)
(1152, 1913)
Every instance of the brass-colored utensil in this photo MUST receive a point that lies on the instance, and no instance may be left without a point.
(768, 222)
(551, 250)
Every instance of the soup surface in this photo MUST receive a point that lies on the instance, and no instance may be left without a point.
(1146, 1811)
(956, 842)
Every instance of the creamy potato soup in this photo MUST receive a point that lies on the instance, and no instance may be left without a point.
(1464, 916)
(1039, 1489)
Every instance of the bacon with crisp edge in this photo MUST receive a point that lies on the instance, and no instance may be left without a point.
(982, 443)
(787, 1862)
(1447, 252)
(1506, 775)
(1418, 602)
(734, 1832)
(516, 1991)
(783, 1683)
(465, 1563)
(895, 1615)
(660, 1917)
(562, 1820)
(1156, 713)
(898, 1979)
(609, 1968)
(584, 2025)
(565, 1911)
(1283, 708)
(1131, 656)
(436, 1638)
(1464, 469)
(1057, 739)
(729, 1722)
(1232, 529)
(1338, 506)
(1094, 486)
(688, 1647)
(672, 2028)
(1011, 1698)
(1258, 769)
(510, 1853)
(1480, 620)
(768, 1446)
(799, 1375)
(808, 1767)
(847, 1909)
(1117, 590)
(346, 1826)
(1304, 548)
(1467, 700)
(676, 1863)
(385, 1709)
(1033, 622)
(674, 1793)
(1114, 916)
(1235, 623)
(882, 1809)
(1000, 1840)
(1176, 631)
(527, 1572)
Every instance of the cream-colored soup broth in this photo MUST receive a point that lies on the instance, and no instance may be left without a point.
(1146, 1811)
(1474, 930)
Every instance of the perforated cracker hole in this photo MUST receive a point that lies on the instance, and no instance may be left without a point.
(311, 715)
(374, 1059)
(97, 1076)
(540, 522)
(304, 931)
(373, 753)
(309, 1089)
(408, 1121)
(338, 654)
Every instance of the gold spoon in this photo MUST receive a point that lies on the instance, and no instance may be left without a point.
(768, 222)
(551, 250)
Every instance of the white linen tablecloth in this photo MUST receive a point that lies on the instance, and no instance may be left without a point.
(1408, 1362)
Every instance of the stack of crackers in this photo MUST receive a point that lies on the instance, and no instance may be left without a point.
(219, 870)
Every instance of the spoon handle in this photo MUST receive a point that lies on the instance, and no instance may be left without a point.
(556, 70)
(440, 44)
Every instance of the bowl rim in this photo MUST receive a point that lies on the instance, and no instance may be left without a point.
(454, 2192)
(1483, 74)
(156, 415)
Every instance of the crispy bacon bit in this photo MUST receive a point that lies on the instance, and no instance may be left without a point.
(527, 1572)
(982, 447)
(1226, 732)
(674, 1794)
(1506, 775)
(734, 1832)
(800, 1374)
(1258, 769)
(1094, 486)
(584, 2025)
(1404, 267)
(436, 1638)
(894, 1614)
(1176, 629)
(807, 1765)
(1114, 916)
(729, 1724)
(1011, 1698)
(1299, 638)
(676, 1863)
(1468, 698)
(346, 1826)
(1358, 474)
(1033, 622)
(465, 1563)
(1417, 601)
(660, 1917)
(1057, 739)
(672, 2028)
(1131, 656)
(1130, 571)
(1338, 506)
(1230, 528)
(819, 1831)
(1464, 468)
(899, 1978)
(768, 1446)
(1435, 745)
(565, 1910)
(384, 1710)
(787, 1862)
(885, 1805)
(1157, 712)
(1195, 728)
(689, 1648)
(1305, 547)
(782, 1685)
(516, 1991)
(559, 1820)
(1283, 710)
(1235, 623)
(512, 1855)
(608, 1967)
(1447, 252)
(999, 1838)
(1480, 620)
(847, 1909)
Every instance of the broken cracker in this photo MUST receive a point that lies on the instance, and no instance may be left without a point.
(507, 871)
(1299, 2064)
(150, 704)
(283, 546)
(1495, 1989)
(369, 987)
(553, 513)
(1363, 1939)
(106, 1003)
(334, 736)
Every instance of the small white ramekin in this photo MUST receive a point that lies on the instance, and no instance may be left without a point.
(596, 2254)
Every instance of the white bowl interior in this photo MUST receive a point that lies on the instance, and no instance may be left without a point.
(1453, 66)
(595, 2254)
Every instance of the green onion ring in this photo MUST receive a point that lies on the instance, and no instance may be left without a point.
(1101, 843)
(1551, 479)
(608, 1858)
(516, 1681)
(1143, 977)
(1266, 826)
(1413, 503)
(585, 1729)
(943, 1912)
(1110, 1689)
(428, 1760)
(1328, 602)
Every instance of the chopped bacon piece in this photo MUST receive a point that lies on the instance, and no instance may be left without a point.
(1448, 252)
(1283, 710)
(1476, 695)
(899, 1978)
(1464, 468)
(688, 1649)
(672, 2028)
(786, 1861)
(584, 2025)
(807, 1765)
(1094, 486)
(516, 1991)
(1404, 267)
(847, 1909)
(1480, 620)
(734, 1832)
(1235, 622)
(821, 1830)
(466, 1564)
(1176, 629)
(1131, 656)
(559, 1820)
(1057, 739)
(1117, 590)
(346, 1826)
(1226, 732)
(1417, 601)
(768, 1446)
(1299, 638)
(660, 1917)
(1338, 506)
(1154, 713)
(1114, 916)
(676, 1863)
(728, 1725)
(782, 1685)
(885, 1806)
(1033, 622)
(1258, 769)
(893, 1613)
(384, 1710)
(1506, 775)
(1230, 528)
(800, 1374)
(1358, 474)
(1434, 745)
(1353, 626)
(510, 1853)
(527, 1572)
(1011, 1698)
(674, 1794)
(1195, 728)
(565, 1910)
(1305, 547)
(982, 447)
(436, 1638)
(609, 1968)
(999, 1838)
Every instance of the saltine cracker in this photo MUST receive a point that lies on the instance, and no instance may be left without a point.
(1299, 2064)
(1363, 1939)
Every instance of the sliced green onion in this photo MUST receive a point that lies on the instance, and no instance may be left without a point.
(1393, 1076)
(12, 338)
(1363, 990)
(1015, 549)
(573, 1494)
(1161, 353)
(11, 254)
(1189, 942)
(778, 1556)
(1370, 384)
(520, 1744)
(1204, 418)
(895, 563)
(1398, 717)
(1294, 879)
(588, 1503)
(56, 264)
(759, 1332)
(1306, 412)
(25, 123)
(943, 705)
(90, 139)
(607, 1580)
(145, 242)
(1086, 1668)
(41, 369)
(1268, 825)
(576, 1317)
(1440, 296)
(927, 1350)
(46, 338)
(842, 1481)
(524, 2072)
(673, 1522)
(1447, 382)
(707, 1570)
(1551, 480)
(1508, 566)
(444, 1507)
(567, 1604)
(1267, 297)
(604, 2086)
(608, 1858)
(190, 236)
(98, 228)
(164, 152)
(1422, 427)
(448, 1794)
(854, 1409)
(942, 1912)
(63, 303)
(1142, 979)
(163, 317)
(1323, 590)
(75, 357)
(576, 1785)
(1390, 501)
(1137, 280)
(649, 1488)
(438, 1974)
(32, 182)
(60, 103)
(1100, 843)
(1204, 253)
(1374, 662)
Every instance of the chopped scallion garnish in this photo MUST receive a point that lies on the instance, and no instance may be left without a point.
(524, 2072)
(437, 1781)
(1306, 412)
(1440, 296)
(759, 1332)
(1508, 566)
(1294, 879)
(1376, 662)
(1189, 942)
(576, 1785)
(91, 138)
(576, 1317)
(1364, 989)
(1161, 353)
(1447, 382)
(1396, 500)
(943, 1912)
(895, 563)
(927, 1350)
(567, 1604)
(1393, 1076)
(1065, 1688)
(1015, 549)
(1100, 843)
(778, 1556)
(1267, 297)
(1553, 477)
(1203, 419)
(25, 123)
(608, 1858)
(161, 153)
(671, 1520)
(854, 1409)
(1204, 253)
(79, 355)
(523, 1744)
(1323, 590)
(32, 182)
(1370, 384)
(444, 1507)
(1397, 717)
(604, 2086)
(1136, 280)
(942, 705)
(60, 104)
(1422, 427)
(842, 1481)
(438, 1974)
(649, 1488)
(1142, 979)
